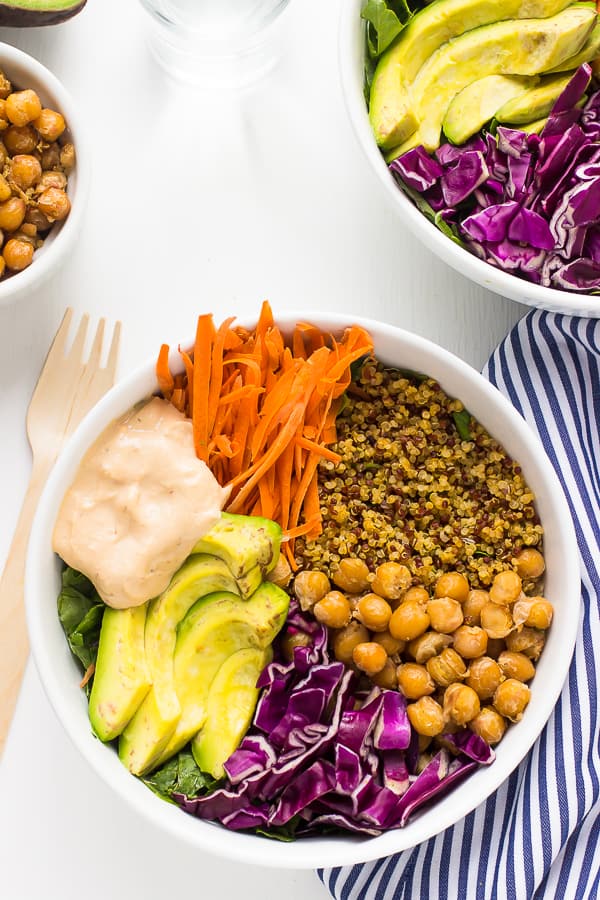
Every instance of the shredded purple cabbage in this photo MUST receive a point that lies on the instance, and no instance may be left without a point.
(322, 754)
(528, 204)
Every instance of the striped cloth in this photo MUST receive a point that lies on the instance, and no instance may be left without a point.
(541, 829)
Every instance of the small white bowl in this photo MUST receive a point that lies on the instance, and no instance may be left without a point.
(60, 675)
(352, 58)
(26, 72)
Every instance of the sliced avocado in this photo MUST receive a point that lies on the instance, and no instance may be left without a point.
(26, 13)
(147, 734)
(588, 53)
(534, 103)
(392, 114)
(248, 544)
(231, 703)
(525, 47)
(476, 104)
(534, 127)
(216, 627)
(121, 676)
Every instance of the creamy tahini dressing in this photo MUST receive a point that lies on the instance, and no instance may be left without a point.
(140, 501)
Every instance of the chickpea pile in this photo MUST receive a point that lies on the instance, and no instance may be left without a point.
(461, 657)
(35, 161)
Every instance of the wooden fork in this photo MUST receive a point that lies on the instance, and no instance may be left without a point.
(66, 390)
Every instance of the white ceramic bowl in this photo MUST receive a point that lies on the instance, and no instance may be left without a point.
(26, 72)
(60, 675)
(351, 52)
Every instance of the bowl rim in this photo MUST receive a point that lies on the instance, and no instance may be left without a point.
(46, 262)
(460, 259)
(310, 852)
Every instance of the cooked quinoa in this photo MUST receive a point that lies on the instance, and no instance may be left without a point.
(409, 488)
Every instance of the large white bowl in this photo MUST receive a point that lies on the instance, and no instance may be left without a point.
(352, 57)
(60, 675)
(26, 72)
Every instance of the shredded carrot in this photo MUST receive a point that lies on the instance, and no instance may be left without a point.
(263, 410)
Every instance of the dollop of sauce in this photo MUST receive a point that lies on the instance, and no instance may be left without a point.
(139, 502)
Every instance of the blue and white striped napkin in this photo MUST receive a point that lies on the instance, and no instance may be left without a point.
(539, 834)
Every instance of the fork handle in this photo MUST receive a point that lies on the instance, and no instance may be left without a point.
(14, 644)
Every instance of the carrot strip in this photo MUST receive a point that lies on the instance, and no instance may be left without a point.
(166, 382)
(201, 381)
(314, 447)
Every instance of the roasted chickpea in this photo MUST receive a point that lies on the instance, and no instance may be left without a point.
(17, 254)
(333, 610)
(428, 645)
(369, 657)
(445, 613)
(5, 86)
(2, 266)
(12, 213)
(461, 703)
(25, 170)
(473, 605)
(489, 725)
(20, 139)
(23, 107)
(291, 640)
(50, 124)
(408, 621)
(310, 587)
(529, 641)
(495, 647)
(374, 612)
(345, 640)
(510, 699)
(414, 681)
(387, 678)
(540, 613)
(530, 564)
(470, 641)
(352, 576)
(505, 588)
(484, 676)
(27, 231)
(38, 219)
(54, 203)
(67, 156)
(446, 668)
(390, 644)
(391, 580)
(50, 157)
(51, 179)
(426, 716)
(418, 594)
(453, 585)
(496, 620)
(5, 191)
(516, 665)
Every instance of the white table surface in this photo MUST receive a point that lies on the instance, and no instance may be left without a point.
(197, 204)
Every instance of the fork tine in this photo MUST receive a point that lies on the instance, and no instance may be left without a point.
(96, 351)
(113, 353)
(76, 350)
(60, 338)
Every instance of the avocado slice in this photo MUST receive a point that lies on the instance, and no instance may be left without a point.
(121, 677)
(32, 13)
(149, 730)
(216, 627)
(231, 703)
(249, 545)
(526, 47)
(534, 103)
(392, 114)
(588, 53)
(476, 104)
(534, 127)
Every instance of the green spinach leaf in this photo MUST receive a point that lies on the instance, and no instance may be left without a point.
(180, 775)
(462, 420)
(80, 611)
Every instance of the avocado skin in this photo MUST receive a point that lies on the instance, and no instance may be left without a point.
(14, 16)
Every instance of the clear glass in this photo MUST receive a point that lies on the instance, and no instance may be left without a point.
(216, 43)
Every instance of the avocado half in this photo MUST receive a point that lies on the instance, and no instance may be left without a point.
(32, 13)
